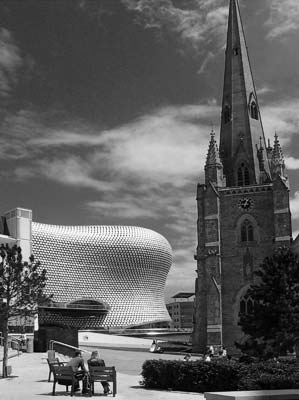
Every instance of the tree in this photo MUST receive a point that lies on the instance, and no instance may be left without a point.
(21, 290)
(272, 325)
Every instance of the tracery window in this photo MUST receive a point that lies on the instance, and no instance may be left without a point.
(252, 106)
(247, 232)
(246, 305)
(253, 110)
(243, 175)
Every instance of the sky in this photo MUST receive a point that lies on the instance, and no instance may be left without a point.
(107, 106)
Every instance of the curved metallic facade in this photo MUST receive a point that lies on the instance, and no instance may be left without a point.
(122, 266)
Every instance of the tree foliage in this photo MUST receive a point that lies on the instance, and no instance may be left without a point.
(21, 289)
(273, 324)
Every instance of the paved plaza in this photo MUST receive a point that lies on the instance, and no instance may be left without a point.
(29, 379)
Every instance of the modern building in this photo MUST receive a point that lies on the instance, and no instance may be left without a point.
(100, 276)
(181, 310)
(243, 205)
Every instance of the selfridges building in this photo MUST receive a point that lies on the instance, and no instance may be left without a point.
(100, 276)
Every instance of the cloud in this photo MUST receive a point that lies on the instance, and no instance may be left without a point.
(264, 90)
(294, 205)
(10, 62)
(206, 61)
(281, 117)
(292, 163)
(199, 24)
(15, 131)
(182, 275)
(162, 147)
(283, 19)
(73, 171)
(128, 207)
(97, 10)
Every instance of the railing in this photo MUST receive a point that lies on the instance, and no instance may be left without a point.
(13, 343)
(69, 349)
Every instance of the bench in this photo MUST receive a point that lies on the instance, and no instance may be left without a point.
(282, 394)
(99, 374)
(65, 376)
(53, 363)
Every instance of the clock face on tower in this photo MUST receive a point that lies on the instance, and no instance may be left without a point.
(245, 203)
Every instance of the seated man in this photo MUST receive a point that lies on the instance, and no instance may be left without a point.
(77, 364)
(155, 348)
(96, 361)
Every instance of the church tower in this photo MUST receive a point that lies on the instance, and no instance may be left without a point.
(243, 205)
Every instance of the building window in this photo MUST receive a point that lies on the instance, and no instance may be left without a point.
(246, 305)
(247, 231)
(227, 116)
(243, 175)
(253, 110)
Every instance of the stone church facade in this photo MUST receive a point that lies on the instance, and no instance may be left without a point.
(243, 204)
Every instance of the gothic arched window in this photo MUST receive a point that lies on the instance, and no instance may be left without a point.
(253, 108)
(243, 175)
(246, 305)
(227, 116)
(247, 233)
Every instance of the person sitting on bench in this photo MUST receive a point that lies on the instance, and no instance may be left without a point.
(96, 361)
(77, 364)
(155, 348)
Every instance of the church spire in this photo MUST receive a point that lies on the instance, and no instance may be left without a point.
(277, 160)
(214, 167)
(241, 126)
(213, 153)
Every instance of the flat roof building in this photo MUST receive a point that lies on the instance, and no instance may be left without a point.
(181, 310)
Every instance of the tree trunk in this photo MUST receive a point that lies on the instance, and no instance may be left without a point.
(5, 347)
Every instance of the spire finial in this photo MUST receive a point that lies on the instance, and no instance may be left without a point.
(277, 161)
(213, 157)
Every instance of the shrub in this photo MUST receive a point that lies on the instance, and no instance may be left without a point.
(219, 375)
(195, 376)
(269, 375)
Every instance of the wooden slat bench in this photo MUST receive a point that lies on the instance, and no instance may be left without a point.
(55, 363)
(99, 374)
(283, 394)
(65, 376)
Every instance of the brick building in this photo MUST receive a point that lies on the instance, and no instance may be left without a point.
(243, 205)
(181, 310)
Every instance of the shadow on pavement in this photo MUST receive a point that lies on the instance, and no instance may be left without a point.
(64, 393)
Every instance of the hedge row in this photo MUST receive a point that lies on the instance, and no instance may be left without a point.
(200, 376)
